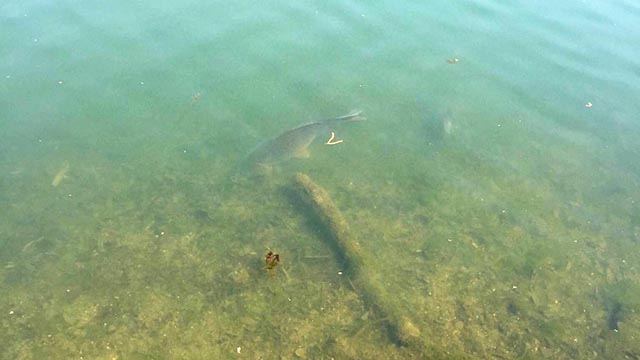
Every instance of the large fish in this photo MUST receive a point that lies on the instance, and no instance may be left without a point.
(293, 143)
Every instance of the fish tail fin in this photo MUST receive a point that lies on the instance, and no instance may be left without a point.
(354, 115)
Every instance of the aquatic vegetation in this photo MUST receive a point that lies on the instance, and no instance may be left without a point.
(271, 261)
(620, 299)
(81, 312)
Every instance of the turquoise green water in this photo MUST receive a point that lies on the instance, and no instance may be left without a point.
(499, 212)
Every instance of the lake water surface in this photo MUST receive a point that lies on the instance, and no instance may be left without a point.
(494, 188)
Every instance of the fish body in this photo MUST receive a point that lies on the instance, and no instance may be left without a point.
(293, 142)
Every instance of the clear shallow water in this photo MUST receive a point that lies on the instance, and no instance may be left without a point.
(502, 213)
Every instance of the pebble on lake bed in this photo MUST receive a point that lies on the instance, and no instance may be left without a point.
(301, 353)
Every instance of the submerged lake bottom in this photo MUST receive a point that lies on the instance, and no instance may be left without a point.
(171, 263)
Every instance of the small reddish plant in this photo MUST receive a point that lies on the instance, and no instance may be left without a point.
(271, 261)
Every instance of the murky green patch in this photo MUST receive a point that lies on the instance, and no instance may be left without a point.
(167, 269)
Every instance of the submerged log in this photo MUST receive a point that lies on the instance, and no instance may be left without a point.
(372, 290)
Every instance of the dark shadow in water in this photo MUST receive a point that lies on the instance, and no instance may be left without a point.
(614, 312)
